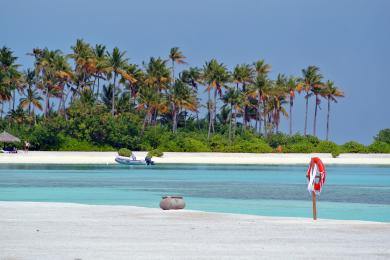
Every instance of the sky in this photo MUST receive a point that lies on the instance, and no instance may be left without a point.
(348, 39)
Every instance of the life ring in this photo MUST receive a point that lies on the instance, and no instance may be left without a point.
(316, 175)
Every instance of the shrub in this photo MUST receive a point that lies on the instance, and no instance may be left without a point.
(43, 139)
(353, 147)
(278, 139)
(155, 136)
(254, 146)
(243, 146)
(312, 139)
(383, 136)
(218, 143)
(379, 147)
(155, 153)
(326, 147)
(124, 152)
(193, 145)
(184, 144)
(72, 144)
(285, 140)
(336, 151)
(303, 147)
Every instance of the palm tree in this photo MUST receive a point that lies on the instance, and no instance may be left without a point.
(244, 75)
(16, 116)
(279, 94)
(215, 76)
(132, 81)
(331, 93)
(63, 75)
(102, 66)
(193, 77)
(151, 103)
(32, 99)
(117, 62)
(45, 72)
(291, 87)
(261, 81)
(232, 98)
(310, 78)
(176, 56)
(11, 78)
(106, 95)
(182, 97)
(316, 90)
(86, 63)
(157, 76)
(5, 91)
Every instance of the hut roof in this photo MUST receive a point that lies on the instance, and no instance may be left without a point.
(8, 138)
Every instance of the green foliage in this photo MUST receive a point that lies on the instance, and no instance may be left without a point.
(278, 139)
(326, 147)
(302, 147)
(379, 147)
(155, 153)
(383, 136)
(286, 140)
(44, 138)
(336, 152)
(218, 143)
(186, 144)
(353, 147)
(248, 146)
(72, 144)
(124, 152)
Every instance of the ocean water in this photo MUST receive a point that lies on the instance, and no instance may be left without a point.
(350, 192)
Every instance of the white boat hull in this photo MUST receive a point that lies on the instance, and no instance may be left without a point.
(129, 161)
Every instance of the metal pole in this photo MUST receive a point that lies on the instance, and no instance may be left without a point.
(314, 206)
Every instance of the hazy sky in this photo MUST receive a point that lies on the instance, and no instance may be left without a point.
(348, 39)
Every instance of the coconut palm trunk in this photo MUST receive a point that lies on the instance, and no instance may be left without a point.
(13, 99)
(259, 112)
(327, 120)
(215, 109)
(174, 119)
(59, 106)
(290, 114)
(46, 101)
(210, 116)
(234, 123)
(306, 109)
(113, 95)
(315, 116)
(98, 88)
(230, 122)
(144, 123)
(265, 118)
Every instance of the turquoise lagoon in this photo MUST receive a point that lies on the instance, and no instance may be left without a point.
(350, 192)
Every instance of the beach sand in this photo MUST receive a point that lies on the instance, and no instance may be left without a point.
(73, 231)
(194, 158)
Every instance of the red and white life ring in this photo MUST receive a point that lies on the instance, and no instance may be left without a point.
(316, 175)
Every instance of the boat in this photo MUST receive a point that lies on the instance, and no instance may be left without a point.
(130, 161)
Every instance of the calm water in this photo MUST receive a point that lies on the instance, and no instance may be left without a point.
(351, 192)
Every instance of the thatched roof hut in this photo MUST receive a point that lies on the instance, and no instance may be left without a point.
(8, 138)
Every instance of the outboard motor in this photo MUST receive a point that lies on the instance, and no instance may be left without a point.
(148, 160)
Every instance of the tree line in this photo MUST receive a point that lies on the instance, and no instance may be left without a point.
(157, 92)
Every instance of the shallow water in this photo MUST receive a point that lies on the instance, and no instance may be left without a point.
(350, 192)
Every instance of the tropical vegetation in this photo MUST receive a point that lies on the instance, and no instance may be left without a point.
(93, 98)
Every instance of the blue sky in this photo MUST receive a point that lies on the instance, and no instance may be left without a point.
(348, 39)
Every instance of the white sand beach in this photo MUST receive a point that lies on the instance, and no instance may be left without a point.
(73, 231)
(195, 158)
